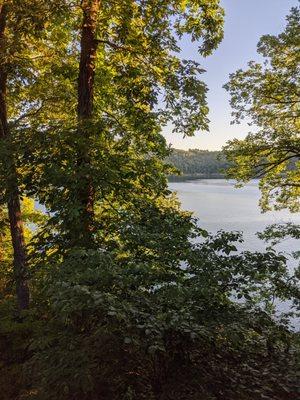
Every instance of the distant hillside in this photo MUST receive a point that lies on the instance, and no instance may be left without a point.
(196, 163)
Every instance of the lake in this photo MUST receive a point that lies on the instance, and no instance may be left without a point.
(219, 205)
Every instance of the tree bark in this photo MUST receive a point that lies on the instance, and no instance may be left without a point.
(88, 49)
(12, 190)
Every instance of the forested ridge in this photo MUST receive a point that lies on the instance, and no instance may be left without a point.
(115, 292)
(198, 162)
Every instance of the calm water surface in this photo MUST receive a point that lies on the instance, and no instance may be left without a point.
(219, 205)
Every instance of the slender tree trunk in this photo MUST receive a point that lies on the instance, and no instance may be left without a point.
(12, 190)
(88, 47)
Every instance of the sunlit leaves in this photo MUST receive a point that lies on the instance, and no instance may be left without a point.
(268, 95)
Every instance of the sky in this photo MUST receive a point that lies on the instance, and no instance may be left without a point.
(245, 22)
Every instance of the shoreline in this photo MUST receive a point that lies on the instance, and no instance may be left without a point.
(189, 177)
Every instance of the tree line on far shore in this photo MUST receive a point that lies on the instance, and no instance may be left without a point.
(194, 163)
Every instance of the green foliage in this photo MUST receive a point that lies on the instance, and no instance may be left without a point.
(14, 341)
(116, 328)
(276, 232)
(141, 311)
(268, 95)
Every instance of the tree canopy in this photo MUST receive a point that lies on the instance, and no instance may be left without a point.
(268, 95)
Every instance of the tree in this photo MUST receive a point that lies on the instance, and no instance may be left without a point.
(11, 183)
(269, 95)
(21, 30)
(20, 24)
(130, 82)
(31, 217)
(88, 50)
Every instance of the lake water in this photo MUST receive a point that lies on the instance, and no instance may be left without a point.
(219, 205)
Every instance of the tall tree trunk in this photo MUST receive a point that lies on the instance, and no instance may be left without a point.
(88, 47)
(12, 190)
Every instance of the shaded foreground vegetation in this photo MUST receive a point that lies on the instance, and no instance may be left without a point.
(139, 326)
(117, 293)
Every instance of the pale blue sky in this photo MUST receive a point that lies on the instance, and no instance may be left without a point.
(245, 22)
